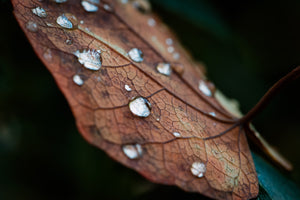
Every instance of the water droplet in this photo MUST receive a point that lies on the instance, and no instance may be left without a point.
(81, 21)
(178, 68)
(32, 26)
(176, 134)
(212, 114)
(90, 58)
(67, 21)
(59, 1)
(151, 22)
(136, 55)
(128, 88)
(198, 169)
(170, 49)
(176, 56)
(140, 107)
(107, 7)
(89, 7)
(169, 41)
(48, 55)
(133, 151)
(78, 80)
(69, 41)
(204, 89)
(164, 68)
(39, 12)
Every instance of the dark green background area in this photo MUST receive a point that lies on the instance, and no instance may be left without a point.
(246, 45)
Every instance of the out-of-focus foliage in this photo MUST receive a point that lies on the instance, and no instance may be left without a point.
(247, 46)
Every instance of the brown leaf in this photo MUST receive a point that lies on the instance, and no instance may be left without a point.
(184, 138)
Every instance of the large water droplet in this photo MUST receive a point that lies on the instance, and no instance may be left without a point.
(67, 21)
(170, 49)
(90, 58)
(39, 12)
(176, 134)
(128, 88)
(198, 169)
(204, 89)
(164, 68)
(140, 106)
(78, 80)
(136, 55)
(133, 151)
(32, 26)
(89, 7)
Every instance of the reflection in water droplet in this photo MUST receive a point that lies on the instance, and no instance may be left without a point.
(39, 12)
(151, 22)
(59, 1)
(204, 89)
(164, 68)
(67, 21)
(136, 55)
(69, 41)
(212, 114)
(90, 58)
(48, 55)
(89, 7)
(128, 88)
(140, 107)
(169, 41)
(198, 169)
(176, 134)
(78, 80)
(133, 151)
(32, 26)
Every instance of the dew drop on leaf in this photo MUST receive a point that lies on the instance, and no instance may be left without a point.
(176, 134)
(32, 26)
(128, 88)
(164, 68)
(89, 58)
(69, 41)
(176, 56)
(78, 80)
(59, 1)
(39, 12)
(170, 49)
(89, 7)
(136, 55)
(107, 7)
(204, 88)
(140, 107)
(151, 22)
(198, 169)
(212, 114)
(133, 151)
(67, 21)
(169, 41)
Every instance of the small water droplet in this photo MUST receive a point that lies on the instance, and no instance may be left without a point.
(78, 80)
(157, 119)
(204, 89)
(67, 21)
(198, 169)
(128, 88)
(89, 7)
(32, 26)
(176, 56)
(69, 41)
(170, 49)
(48, 55)
(81, 21)
(164, 68)
(39, 12)
(176, 134)
(136, 55)
(212, 114)
(178, 68)
(89, 58)
(134, 151)
(59, 1)
(169, 41)
(140, 107)
(151, 22)
(107, 7)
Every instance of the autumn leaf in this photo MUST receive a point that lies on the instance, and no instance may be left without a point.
(139, 96)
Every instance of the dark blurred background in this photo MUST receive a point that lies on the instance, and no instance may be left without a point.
(246, 45)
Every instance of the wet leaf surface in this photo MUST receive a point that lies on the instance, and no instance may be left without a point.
(168, 126)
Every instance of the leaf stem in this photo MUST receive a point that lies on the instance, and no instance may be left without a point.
(284, 81)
